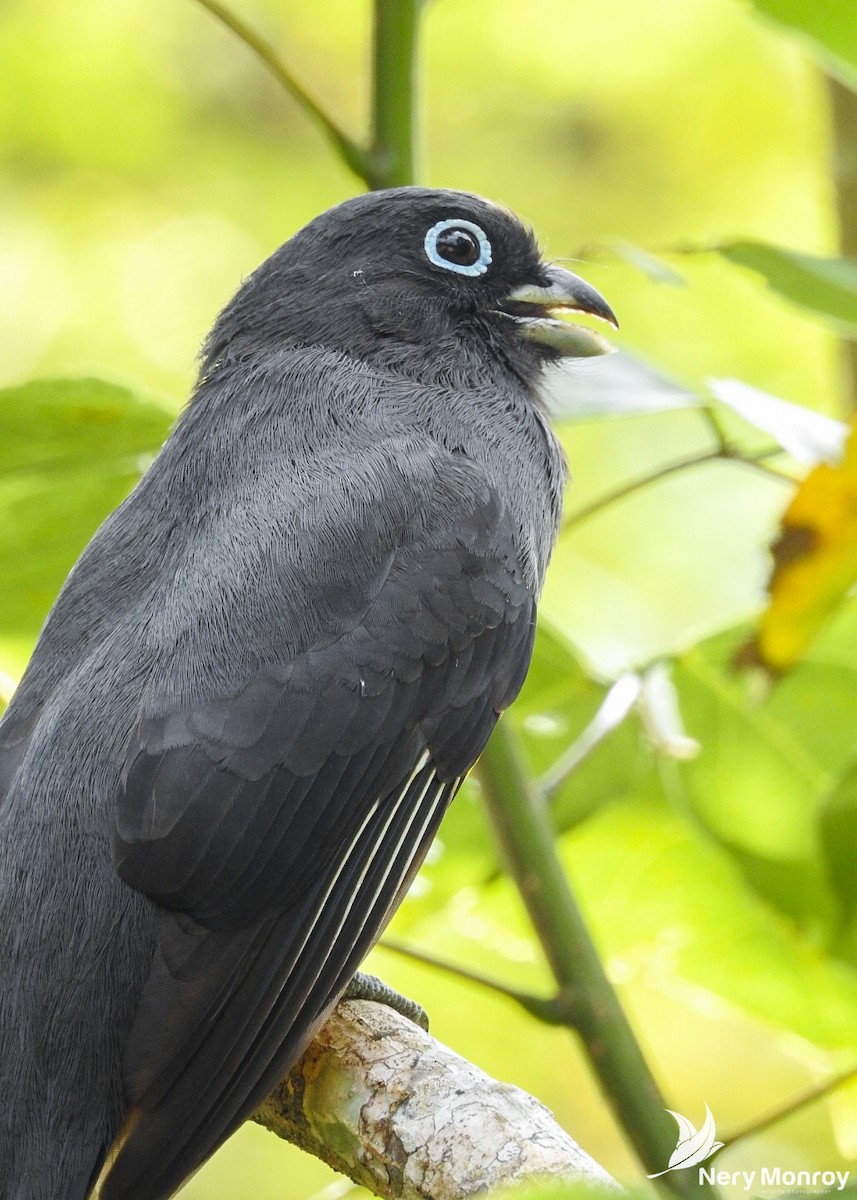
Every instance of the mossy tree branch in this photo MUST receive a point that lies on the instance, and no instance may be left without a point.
(384, 1104)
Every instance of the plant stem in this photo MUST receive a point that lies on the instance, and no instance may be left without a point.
(843, 106)
(612, 711)
(349, 150)
(756, 460)
(519, 814)
(552, 1010)
(391, 160)
(712, 420)
(802, 1100)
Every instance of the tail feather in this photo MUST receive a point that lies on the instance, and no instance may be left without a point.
(268, 1021)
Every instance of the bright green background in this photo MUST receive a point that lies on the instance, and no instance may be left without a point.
(148, 163)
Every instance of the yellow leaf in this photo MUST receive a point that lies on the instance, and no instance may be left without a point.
(815, 562)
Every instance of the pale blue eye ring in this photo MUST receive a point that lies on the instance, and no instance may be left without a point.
(469, 254)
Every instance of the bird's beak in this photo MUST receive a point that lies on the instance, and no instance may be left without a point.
(532, 307)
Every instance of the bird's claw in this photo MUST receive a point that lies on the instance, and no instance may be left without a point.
(369, 987)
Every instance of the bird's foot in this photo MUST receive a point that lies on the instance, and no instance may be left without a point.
(369, 987)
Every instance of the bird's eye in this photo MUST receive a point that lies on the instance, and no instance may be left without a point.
(460, 246)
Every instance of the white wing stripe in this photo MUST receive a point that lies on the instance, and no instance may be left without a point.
(379, 842)
(343, 862)
(431, 781)
(416, 843)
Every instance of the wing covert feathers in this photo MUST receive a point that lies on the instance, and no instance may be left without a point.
(277, 824)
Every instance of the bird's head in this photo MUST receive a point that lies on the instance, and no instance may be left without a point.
(416, 278)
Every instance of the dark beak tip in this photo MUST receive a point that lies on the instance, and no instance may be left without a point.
(583, 296)
(604, 313)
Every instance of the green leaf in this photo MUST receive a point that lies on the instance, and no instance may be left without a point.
(647, 264)
(808, 436)
(70, 451)
(825, 286)
(827, 26)
(670, 905)
(767, 765)
(838, 826)
(614, 385)
(557, 703)
(59, 424)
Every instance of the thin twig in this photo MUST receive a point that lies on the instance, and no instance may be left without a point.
(756, 460)
(801, 1100)
(352, 153)
(611, 713)
(553, 1010)
(712, 419)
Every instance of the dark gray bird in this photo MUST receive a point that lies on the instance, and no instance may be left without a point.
(264, 680)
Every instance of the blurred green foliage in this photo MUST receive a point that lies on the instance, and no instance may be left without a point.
(826, 286)
(147, 163)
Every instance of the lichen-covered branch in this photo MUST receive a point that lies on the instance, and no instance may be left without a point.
(397, 1112)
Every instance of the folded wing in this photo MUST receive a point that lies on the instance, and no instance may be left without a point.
(279, 826)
